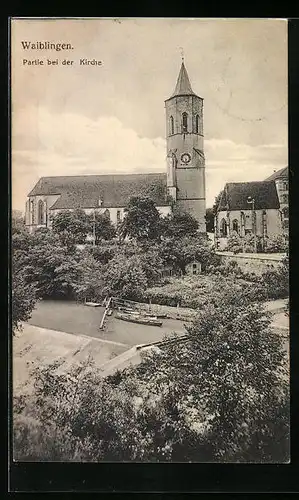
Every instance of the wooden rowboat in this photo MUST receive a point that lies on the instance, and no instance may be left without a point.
(139, 319)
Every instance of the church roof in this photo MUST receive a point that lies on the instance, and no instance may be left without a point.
(84, 191)
(235, 196)
(283, 173)
(183, 85)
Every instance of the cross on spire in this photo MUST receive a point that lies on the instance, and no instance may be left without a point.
(182, 54)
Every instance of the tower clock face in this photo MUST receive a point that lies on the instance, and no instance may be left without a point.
(186, 158)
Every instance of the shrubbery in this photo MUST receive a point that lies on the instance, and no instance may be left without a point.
(271, 244)
(219, 396)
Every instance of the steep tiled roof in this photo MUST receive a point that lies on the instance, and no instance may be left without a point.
(84, 191)
(283, 173)
(235, 195)
(183, 85)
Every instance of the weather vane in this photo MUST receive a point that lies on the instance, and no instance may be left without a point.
(182, 53)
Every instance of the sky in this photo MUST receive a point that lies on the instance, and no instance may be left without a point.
(110, 118)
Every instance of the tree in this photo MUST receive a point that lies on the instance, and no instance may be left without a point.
(89, 283)
(217, 202)
(276, 244)
(50, 266)
(152, 264)
(142, 220)
(125, 277)
(71, 226)
(179, 224)
(23, 293)
(234, 243)
(220, 395)
(104, 229)
(210, 220)
(231, 376)
(177, 253)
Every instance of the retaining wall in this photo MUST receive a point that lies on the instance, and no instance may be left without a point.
(256, 263)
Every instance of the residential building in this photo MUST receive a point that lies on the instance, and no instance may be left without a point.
(248, 208)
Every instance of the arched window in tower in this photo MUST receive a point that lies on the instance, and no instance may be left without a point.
(197, 124)
(236, 226)
(171, 125)
(40, 212)
(223, 228)
(184, 123)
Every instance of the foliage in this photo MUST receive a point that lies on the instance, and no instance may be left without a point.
(178, 224)
(231, 378)
(104, 251)
(152, 264)
(24, 293)
(142, 220)
(221, 395)
(178, 252)
(125, 277)
(190, 291)
(275, 282)
(50, 266)
(210, 220)
(89, 281)
(71, 226)
(234, 243)
(23, 296)
(104, 229)
(217, 201)
(273, 244)
(276, 244)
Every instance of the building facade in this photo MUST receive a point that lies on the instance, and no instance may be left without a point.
(185, 149)
(101, 194)
(248, 208)
(182, 185)
(281, 179)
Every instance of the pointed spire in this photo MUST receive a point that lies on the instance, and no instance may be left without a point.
(183, 85)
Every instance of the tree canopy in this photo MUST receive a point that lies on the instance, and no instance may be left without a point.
(219, 395)
(142, 220)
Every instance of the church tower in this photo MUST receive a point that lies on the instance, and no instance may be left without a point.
(185, 154)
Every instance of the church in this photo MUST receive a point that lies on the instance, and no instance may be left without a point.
(182, 184)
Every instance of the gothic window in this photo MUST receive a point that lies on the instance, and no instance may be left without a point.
(236, 226)
(223, 228)
(171, 125)
(32, 212)
(285, 198)
(197, 124)
(264, 222)
(185, 122)
(285, 212)
(40, 212)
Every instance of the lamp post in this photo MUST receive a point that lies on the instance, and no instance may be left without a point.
(251, 201)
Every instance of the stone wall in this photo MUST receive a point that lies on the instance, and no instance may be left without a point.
(252, 262)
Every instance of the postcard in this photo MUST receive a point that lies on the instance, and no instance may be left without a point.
(149, 227)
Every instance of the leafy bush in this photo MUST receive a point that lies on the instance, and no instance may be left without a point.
(24, 292)
(219, 396)
(276, 244)
(234, 243)
(276, 282)
(125, 277)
